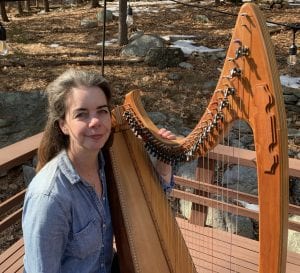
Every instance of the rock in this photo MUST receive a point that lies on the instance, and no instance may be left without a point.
(109, 16)
(3, 173)
(295, 190)
(202, 19)
(22, 115)
(174, 38)
(157, 117)
(297, 140)
(244, 178)
(186, 65)
(163, 57)
(28, 174)
(174, 76)
(239, 225)
(141, 45)
(242, 127)
(135, 35)
(87, 23)
(290, 99)
(294, 236)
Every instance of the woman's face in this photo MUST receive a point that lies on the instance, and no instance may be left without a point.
(87, 120)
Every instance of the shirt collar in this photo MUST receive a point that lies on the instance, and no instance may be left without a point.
(68, 169)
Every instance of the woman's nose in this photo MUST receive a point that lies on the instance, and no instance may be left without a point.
(94, 121)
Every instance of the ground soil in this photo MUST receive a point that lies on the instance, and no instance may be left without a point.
(32, 62)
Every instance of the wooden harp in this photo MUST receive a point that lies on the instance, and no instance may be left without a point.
(147, 236)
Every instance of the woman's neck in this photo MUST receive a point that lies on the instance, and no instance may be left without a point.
(87, 167)
(84, 162)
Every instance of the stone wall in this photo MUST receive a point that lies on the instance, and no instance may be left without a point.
(21, 115)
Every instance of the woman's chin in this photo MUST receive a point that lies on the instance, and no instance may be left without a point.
(96, 145)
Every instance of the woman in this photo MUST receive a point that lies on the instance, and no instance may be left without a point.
(66, 218)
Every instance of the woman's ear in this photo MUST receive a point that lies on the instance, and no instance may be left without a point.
(62, 126)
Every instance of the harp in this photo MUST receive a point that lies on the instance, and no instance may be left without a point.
(147, 235)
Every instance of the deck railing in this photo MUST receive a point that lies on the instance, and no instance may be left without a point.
(18, 153)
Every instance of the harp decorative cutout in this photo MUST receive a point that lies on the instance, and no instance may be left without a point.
(147, 236)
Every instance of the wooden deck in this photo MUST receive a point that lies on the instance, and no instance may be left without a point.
(11, 261)
(212, 251)
(218, 251)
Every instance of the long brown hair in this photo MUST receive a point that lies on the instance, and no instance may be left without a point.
(53, 140)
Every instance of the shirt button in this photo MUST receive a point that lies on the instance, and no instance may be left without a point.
(104, 226)
(103, 198)
(102, 265)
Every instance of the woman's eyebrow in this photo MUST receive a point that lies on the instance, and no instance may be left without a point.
(102, 106)
(85, 109)
(79, 110)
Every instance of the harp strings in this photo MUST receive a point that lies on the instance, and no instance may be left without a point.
(163, 216)
(229, 81)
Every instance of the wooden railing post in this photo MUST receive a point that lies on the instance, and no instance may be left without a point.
(204, 173)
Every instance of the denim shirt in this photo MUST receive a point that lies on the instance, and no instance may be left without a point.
(66, 226)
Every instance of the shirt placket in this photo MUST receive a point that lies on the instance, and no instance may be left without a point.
(100, 201)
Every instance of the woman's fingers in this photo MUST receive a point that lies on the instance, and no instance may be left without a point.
(166, 134)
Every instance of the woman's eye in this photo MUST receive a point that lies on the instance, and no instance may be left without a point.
(80, 115)
(103, 111)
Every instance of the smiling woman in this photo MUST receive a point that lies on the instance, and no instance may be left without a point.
(67, 200)
(87, 121)
(87, 124)
(67, 223)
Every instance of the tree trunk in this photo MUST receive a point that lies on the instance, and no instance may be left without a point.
(46, 6)
(94, 4)
(3, 12)
(27, 5)
(20, 8)
(123, 32)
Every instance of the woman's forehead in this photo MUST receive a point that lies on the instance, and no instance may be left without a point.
(88, 96)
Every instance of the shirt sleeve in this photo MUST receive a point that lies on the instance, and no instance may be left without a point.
(167, 185)
(45, 230)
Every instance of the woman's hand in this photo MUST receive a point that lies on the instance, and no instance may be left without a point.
(164, 169)
(164, 133)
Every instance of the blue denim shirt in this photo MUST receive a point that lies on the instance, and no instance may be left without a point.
(67, 228)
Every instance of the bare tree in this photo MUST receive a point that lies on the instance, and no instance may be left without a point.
(94, 4)
(46, 6)
(27, 5)
(20, 7)
(123, 32)
(3, 11)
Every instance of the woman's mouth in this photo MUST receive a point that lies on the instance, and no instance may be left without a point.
(96, 137)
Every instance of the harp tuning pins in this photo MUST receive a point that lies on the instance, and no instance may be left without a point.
(241, 51)
(224, 103)
(229, 91)
(128, 115)
(210, 127)
(204, 134)
(215, 120)
(188, 156)
(235, 72)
